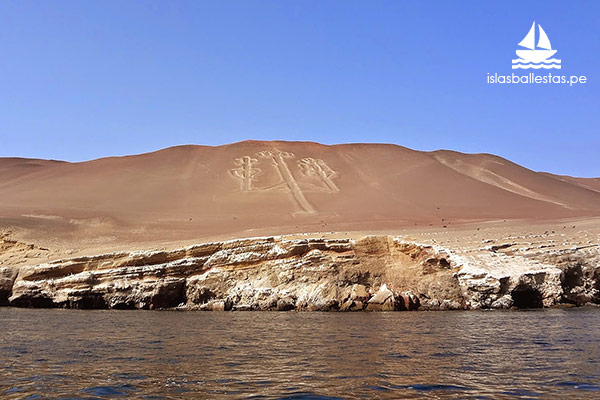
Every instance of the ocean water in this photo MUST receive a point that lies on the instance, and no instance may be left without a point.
(49, 353)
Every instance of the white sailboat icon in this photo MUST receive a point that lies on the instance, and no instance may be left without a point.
(539, 54)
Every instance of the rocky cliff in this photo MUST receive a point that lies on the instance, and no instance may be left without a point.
(375, 273)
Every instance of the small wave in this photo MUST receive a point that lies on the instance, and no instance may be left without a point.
(431, 388)
(529, 66)
(520, 393)
(580, 386)
(109, 391)
(548, 61)
(305, 396)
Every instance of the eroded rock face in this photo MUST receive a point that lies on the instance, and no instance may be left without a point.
(530, 277)
(377, 273)
(7, 278)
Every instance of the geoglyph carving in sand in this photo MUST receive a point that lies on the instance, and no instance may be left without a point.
(319, 168)
(278, 160)
(246, 172)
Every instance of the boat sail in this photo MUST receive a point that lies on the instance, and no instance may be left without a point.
(543, 41)
(543, 50)
(529, 40)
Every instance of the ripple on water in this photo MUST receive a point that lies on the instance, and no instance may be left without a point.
(398, 355)
(378, 388)
(521, 393)
(307, 396)
(444, 354)
(580, 386)
(431, 388)
(110, 391)
(129, 376)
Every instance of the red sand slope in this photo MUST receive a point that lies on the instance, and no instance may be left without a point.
(289, 186)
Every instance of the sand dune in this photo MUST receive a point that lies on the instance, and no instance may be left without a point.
(253, 187)
(587, 183)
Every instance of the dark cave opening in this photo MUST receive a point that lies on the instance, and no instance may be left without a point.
(573, 276)
(526, 297)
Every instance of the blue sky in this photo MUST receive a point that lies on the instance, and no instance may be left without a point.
(87, 79)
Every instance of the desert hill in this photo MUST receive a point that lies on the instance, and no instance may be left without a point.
(253, 187)
(588, 183)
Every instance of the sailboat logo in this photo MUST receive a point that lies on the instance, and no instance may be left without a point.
(536, 57)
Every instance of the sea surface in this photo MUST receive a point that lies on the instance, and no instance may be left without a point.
(49, 353)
